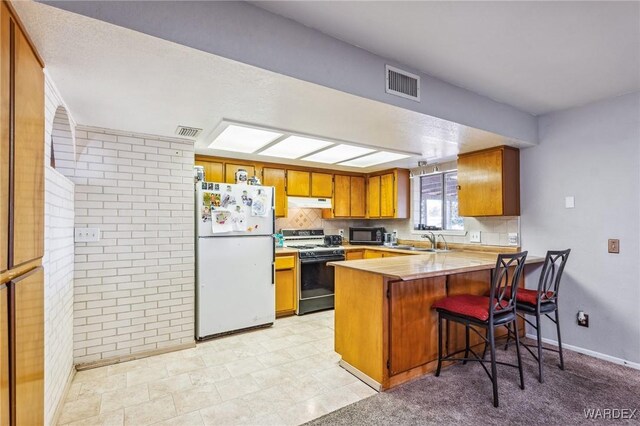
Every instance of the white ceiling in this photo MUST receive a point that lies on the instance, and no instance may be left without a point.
(539, 56)
(117, 78)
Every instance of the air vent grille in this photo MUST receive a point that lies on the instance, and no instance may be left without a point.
(402, 83)
(188, 132)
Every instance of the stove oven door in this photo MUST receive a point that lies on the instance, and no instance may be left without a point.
(316, 278)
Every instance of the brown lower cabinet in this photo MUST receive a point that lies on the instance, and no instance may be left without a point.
(286, 285)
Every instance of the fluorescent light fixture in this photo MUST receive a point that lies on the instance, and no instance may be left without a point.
(373, 159)
(295, 147)
(243, 139)
(338, 153)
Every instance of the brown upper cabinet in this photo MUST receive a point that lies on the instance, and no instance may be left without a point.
(231, 169)
(348, 197)
(278, 179)
(388, 194)
(213, 170)
(5, 69)
(26, 174)
(309, 184)
(489, 182)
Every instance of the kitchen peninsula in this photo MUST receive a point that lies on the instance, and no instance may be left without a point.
(385, 329)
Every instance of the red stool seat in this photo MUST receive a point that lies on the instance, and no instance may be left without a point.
(467, 305)
(528, 296)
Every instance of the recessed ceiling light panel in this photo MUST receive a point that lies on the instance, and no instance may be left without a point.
(243, 139)
(373, 159)
(295, 147)
(338, 153)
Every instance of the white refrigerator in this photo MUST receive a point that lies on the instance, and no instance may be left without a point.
(235, 258)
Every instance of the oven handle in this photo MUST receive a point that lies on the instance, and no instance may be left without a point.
(322, 260)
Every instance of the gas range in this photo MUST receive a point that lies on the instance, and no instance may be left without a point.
(316, 283)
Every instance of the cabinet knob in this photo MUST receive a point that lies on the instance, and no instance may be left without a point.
(459, 187)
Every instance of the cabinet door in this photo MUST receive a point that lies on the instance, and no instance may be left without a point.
(358, 205)
(480, 184)
(27, 294)
(354, 254)
(278, 179)
(387, 205)
(285, 291)
(4, 356)
(413, 331)
(213, 170)
(298, 183)
(372, 254)
(321, 185)
(231, 169)
(4, 138)
(374, 196)
(28, 172)
(342, 196)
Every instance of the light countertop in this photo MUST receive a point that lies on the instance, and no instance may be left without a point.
(424, 265)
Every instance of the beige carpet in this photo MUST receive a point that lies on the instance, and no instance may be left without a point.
(462, 395)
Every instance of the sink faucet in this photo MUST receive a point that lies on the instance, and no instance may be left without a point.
(431, 237)
(446, 246)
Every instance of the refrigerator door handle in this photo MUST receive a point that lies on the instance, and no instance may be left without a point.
(273, 273)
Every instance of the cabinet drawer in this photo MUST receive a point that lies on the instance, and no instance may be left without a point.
(285, 262)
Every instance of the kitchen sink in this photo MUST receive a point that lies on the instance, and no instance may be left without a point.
(422, 249)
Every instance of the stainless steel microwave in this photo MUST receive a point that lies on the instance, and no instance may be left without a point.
(367, 235)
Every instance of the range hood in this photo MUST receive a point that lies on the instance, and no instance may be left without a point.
(309, 203)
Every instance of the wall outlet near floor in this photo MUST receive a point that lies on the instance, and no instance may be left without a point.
(87, 235)
(614, 246)
(569, 202)
(583, 319)
(474, 237)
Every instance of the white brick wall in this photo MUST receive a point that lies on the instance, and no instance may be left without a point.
(58, 257)
(134, 289)
(58, 267)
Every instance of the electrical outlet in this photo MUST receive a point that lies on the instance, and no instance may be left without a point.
(513, 238)
(474, 237)
(87, 235)
(341, 232)
(569, 202)
(583, 319)
(614, 246)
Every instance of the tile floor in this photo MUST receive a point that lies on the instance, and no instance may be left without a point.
(284, 375)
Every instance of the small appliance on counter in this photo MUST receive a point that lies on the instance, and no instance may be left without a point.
(367, 235)
(390, 239)
(333, 240)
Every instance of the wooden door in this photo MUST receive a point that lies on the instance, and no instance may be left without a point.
(278, 179)
(28, 143)
(374, 196)
(413, 328)
(4, 137)
(321, 185)
(298, 183)
(480, 184)
(358, 204)
(387, 203)
(4, 355)
(231, 169)
(342, 196)
(354, 254)
(27, 295)
(213, 170)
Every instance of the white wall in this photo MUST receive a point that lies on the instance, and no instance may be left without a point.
(58, 256)
(592, 153)
(134, 289)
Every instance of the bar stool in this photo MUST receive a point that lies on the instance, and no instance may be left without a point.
(499, 309)
(544, 300)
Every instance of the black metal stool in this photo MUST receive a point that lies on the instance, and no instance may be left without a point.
(499, 309)
(543, 301)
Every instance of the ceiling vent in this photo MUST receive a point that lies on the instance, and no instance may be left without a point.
(402, 83)
(188, 132)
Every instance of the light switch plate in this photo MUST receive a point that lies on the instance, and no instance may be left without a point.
(513, 238)
(614, 246)
(569, 202)
(87, 235)
(474, 236)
